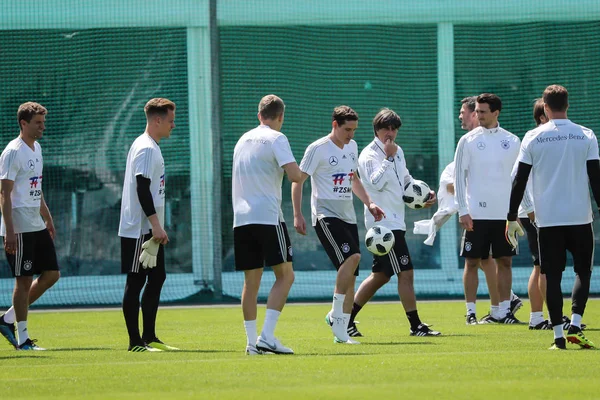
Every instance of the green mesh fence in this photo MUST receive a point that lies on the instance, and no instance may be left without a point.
(94, 76)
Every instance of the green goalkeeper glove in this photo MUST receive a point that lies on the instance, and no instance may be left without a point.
(148, 256)
(513, 228)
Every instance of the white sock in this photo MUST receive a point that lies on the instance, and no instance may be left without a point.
(558, 331)
(268, 331)
(512, 295)
(338, 304)
(471, 308)
(504, 308)
(9, 316)
(576, 320)
(250, 327)
(346, 319)
(495, 312)
(536, 317)
(22, 329)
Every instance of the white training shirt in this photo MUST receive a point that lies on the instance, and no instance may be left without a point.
(331, 171)
(144, 158)
(483, 161)
(257, 174)
(558, 152)
(22, 165)
(446, 199)
(384, 181)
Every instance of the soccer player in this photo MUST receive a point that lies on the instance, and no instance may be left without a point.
(536, 287)
(260, 158)
(382, 168)
(331, 162)
(27, 225)
(483, 161)
(561, 157)
(142, 227)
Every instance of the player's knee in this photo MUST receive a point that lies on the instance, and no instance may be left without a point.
(50, 277)
(472, 263)
(354, 259)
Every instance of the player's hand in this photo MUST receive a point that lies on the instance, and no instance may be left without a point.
(159, 234)
(450, 188)
(149, 253)
(51, 229)
(390, 148)
(300, 224)
(466, 222)
(376, 211)
(431, 201)
(531, 217)
(10, 243)
(513, 228)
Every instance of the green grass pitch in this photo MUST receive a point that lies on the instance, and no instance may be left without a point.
(87, 358)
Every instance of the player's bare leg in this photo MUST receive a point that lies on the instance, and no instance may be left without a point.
(504, 284)
(344, 280)
(470, 283)
(490, 270)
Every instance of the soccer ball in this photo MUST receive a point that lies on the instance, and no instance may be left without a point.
(416, 193)
(379, 240)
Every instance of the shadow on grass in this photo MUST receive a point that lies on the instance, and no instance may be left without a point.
(396, 343)
(21, 355)
(203, 351)
(331, 354)
(80, 349)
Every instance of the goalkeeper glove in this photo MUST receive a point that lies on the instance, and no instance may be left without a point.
(148, 256)
(513, 228)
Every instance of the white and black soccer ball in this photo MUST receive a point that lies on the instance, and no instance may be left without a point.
(379, 240)
(416, 194)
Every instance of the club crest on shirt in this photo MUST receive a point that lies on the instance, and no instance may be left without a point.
(404, 260)
(345, 247)
(505, 144)
(481, 145)
(333, 160)
(468, 246)
(353, 156)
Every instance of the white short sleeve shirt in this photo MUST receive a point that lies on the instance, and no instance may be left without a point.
(144, 158)
(257, 174)
(558, 152)
(331, 171)
(22, 165)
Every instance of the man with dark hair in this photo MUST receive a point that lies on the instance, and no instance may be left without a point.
(260, 158)
(562, 157)
(27, 225)
(382, 166)
(484, 159)
(331, 162)
(141, 227)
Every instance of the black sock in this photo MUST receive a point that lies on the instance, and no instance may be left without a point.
(150, 300)
(131, 306)
(355, 310)
(413, 319)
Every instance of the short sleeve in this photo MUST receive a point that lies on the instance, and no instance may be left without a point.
(142, 162)
(310, 161)
(525, 151)
(9, 164)
(593, 149)
(282, 150)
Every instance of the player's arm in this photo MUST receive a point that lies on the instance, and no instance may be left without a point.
(45, 212)
(294, 173)
(461, 164)
(147, 203)
(359, 190)
(518, 190)
(593, 171)
(10, 240)
(299, 222)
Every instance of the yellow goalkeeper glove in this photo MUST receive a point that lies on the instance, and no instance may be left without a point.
(513, 228)
(148, 256)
